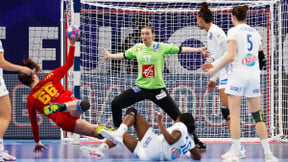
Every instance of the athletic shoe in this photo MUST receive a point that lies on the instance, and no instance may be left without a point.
(113, 136)
(91, 152)
(269, 157)
(241, 155)
(5, 156)
(230, 156)
(242, 152)
(99, 129)
(200, 145)
(52, 108)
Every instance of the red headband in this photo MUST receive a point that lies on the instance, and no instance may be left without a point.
(204, 8)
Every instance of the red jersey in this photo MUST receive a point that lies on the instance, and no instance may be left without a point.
(49, 90)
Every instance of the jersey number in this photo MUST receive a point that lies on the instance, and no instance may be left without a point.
(249, 42)
(147, 58)
(47, 93)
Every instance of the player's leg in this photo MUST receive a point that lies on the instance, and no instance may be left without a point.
(261, 129)
(125, 99)
(235, 131)
(224, 106)
(226, 116)
(75, 105)
(5, 118)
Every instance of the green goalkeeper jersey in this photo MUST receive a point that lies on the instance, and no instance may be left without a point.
(151, 63)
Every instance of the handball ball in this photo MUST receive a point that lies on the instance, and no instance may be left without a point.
(73, 32)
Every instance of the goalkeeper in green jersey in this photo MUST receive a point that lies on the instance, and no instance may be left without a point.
(149, 83)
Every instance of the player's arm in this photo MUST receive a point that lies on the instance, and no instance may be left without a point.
(261, 57)
(227, 60)
(170, 138)
(13, 67)
(108, 55)
(194, 154)
(203, 50)
(35, 129)
(61, 71)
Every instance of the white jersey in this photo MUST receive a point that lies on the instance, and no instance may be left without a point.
(248, 42)
(217, 46)
(181, 147)
(216, 40)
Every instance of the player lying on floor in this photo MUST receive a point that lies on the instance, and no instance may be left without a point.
(171, 144)
(49, 97)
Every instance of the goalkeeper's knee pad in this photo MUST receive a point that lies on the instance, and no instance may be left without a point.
(257, 116)
(225, 112)
(131, 111)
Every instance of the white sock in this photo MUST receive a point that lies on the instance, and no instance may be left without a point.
(236, 146)
(122, 129)
(103, 147)
(1, 144)
(266, 145)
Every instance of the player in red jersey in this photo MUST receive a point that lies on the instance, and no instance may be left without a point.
(49, 97)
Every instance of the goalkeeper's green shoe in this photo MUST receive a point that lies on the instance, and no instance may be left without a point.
(52, 108)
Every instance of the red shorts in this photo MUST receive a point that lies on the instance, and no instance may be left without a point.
(64, 120)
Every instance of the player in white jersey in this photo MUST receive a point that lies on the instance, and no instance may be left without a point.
(171, 144)
(217, 46)
(243, 80)
(5, 109)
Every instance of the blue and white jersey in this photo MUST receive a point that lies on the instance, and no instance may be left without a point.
(248, 42)
(181, 147)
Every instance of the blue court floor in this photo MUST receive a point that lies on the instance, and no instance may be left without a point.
(65, 152)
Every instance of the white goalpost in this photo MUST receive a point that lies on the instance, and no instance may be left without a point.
(114, 25)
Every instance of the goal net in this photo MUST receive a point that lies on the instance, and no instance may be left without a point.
(114, 25)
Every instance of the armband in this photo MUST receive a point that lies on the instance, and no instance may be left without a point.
(261, 58)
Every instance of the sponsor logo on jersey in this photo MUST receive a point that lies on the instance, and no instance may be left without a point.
(175, 153)
(148, 71)
(236, 89)
(210, 36)
(249, 60)
(138, 48)
(156, 47)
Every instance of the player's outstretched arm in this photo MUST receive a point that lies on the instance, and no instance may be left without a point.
(170, 138)
(195, 154)
(107, 55)
(203, 50)
(39, 147)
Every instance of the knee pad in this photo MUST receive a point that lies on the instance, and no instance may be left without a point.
(225, 112)
(85, 105)
(82, 105)
(257, 116)
(131, 111)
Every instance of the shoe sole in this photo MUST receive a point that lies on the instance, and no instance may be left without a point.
(106, 134)
(53, 108)
(88, 152)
